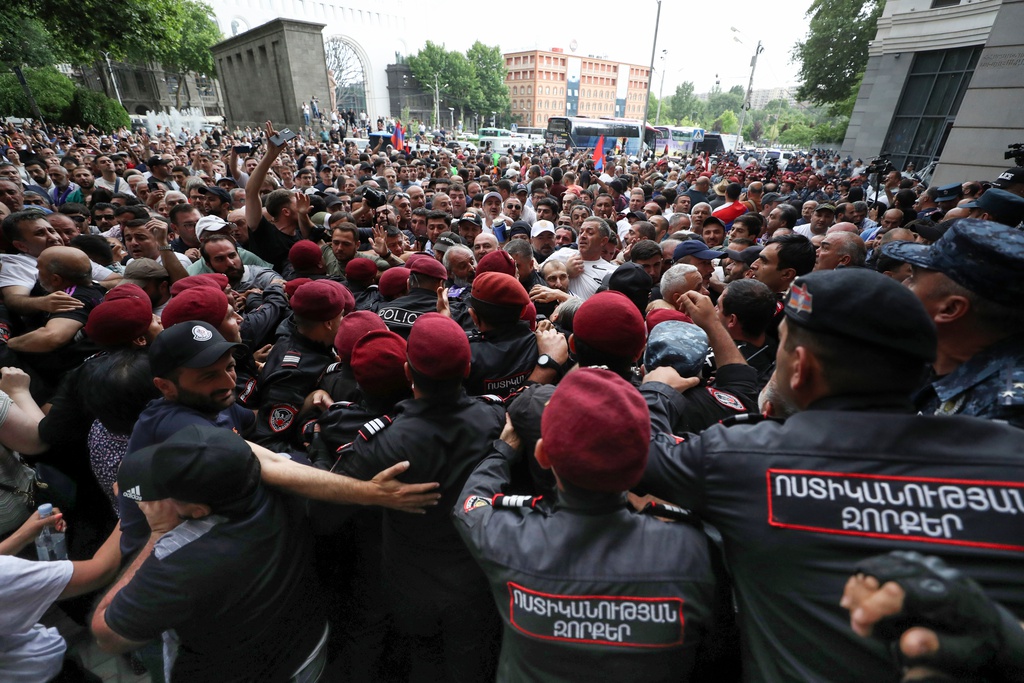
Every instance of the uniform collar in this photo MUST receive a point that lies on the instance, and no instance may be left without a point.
(594, 502)
(884, 403)
(978, 368)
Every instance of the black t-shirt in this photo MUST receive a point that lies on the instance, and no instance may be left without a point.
(271, 245)
(239, 591)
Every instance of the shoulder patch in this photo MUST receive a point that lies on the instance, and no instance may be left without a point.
(281, 417)
(726, 399)
(474, 502)
(291, 359)
(670, 512)
(247, 391)
(492, 399)
(374, 426)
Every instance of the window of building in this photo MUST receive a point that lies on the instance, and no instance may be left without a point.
(929, 104)
(944, 3)
(529, 90)
(140, 82)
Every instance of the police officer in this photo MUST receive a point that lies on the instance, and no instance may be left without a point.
(425, 276)
(854, 474)
(440, 601)
(297, 362)
(359, 278)
(970, 283)
(338, 381)
(504, 348)
(548, 561)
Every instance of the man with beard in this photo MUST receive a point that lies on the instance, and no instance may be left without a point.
(461, 265)
(221, 255)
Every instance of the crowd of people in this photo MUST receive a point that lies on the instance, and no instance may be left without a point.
(310, 411)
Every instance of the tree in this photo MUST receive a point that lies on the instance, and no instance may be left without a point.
(189, 50)
(683, 103)
(489, 65)
(53, 92)
(835, 53)
(429, 68)
(454, 75)
(98, 109)
(726, 123)
(799, 135)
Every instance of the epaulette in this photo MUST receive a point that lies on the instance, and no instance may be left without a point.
(291, 359)
(475, 336)
(500, 500)
(749, 419)
(671, 512)
(373, 426)
(333, 367)
(492, 399)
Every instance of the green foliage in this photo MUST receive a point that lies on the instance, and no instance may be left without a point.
(52, 90)
(195, 32)
(23, 41)
(473, 81)
(90, 107)
(683, 104)
(489, 65)
(836, 49)
(800, 135)
(726, 123)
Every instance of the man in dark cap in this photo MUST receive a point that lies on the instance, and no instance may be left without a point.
(586, 544)
(504, 349)
(999, 206)
(297, 361)
(698, 255)
(1011, 180)
(855, 473)
(948, 196)
(160, 172)
(440, 601)
(426, 275)
(217, 202)
(228, 565)
(969, 281)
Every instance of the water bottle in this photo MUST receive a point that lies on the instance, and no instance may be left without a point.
(50, 544)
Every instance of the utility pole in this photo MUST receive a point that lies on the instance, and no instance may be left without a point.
(750, 88)
(661, 88)
(647, 97)
(113, 80)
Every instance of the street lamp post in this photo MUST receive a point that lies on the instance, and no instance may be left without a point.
(750, 87)
(647, 96)
(451, 115)
(110, 70)
(661, 88)
(437, 97)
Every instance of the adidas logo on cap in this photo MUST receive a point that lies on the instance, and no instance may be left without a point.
(134, 493)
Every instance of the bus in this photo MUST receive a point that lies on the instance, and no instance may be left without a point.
(577, 132)
(679, 140)
(495, 140)
(528, 137)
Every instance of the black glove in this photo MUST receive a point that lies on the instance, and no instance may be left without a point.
(976, 635)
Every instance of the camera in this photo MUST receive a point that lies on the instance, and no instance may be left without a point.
(880, 165)
(374, 198)
(1015, 152)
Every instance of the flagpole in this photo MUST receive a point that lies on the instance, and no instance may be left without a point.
(650, 73)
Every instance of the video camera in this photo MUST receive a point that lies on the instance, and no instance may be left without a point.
(880, 165)
(1015, 152)
(374, 198)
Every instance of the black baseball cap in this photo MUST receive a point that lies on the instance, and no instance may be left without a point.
(1011, 176)
(748, 255)
(188, 344)
(198, 464)
(863, 305)
(156, 161)
(219, 192)
(695, 248)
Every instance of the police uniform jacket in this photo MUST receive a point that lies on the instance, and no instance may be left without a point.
(502, 360)
(262, 314)
(292, 371)
(587, 588)
(799, 503)
(696, 409)
(443, 439)
(989, 385)
(400, 314)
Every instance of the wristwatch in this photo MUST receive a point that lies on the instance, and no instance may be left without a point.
(548, 363)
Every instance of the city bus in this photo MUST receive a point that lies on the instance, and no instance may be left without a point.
(496, 140)
(577, 132)
(529, 137)
(679, 140)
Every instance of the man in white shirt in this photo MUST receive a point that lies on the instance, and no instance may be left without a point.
(106, 176)
(585, 266)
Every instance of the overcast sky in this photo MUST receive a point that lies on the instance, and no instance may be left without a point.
(698, 47)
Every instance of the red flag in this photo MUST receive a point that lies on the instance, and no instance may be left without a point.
(398, 137)
(599, 154)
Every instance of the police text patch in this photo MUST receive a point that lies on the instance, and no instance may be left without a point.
(973, 513)
(619, 620)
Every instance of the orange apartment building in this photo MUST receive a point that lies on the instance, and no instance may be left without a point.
(543, 83)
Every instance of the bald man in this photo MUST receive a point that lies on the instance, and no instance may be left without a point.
(484, 244)
(842, 227)
(841, 249)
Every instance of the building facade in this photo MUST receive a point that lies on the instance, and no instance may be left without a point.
(145, 88)
(944, 82)
(362, 36)
(546, 83)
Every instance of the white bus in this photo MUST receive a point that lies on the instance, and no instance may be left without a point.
(496, 140)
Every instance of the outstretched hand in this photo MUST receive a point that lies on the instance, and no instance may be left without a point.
(392, 493)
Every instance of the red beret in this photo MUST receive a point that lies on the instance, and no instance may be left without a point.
(609, 322)
(322, 300)
(393, 282)
(530, 316)
(378, 363)
(596, 454)
(429, 267)
(439, 347)
(416, 257)
(292, 285)
(499, 261)
(121, 319)
(218, 280)
(305, 256)
(361, 270)
(354, 326)
(208, 304)
(660, 315)
(499, 289)
(127, 290)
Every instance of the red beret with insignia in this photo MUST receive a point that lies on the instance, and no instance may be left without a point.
(322, 300)
(216, 280)
(499, 289)
(208, 304)
(361, 270)
(439, 347)
(378, 363)
(609, 322)
(352, 328)
(597, 454)
(499, 261)
(394, 282)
